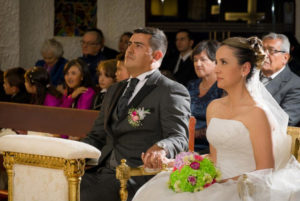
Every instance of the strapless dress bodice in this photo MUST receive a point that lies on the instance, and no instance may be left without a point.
(231, 139)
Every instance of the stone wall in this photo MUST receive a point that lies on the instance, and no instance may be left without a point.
(25, 24)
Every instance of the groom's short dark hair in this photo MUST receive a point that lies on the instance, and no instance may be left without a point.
(158, 40)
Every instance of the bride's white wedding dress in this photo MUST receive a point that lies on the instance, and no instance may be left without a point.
(234, 157)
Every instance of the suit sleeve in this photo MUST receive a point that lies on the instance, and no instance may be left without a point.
(175, 114)
(97, 135)
(291, 103)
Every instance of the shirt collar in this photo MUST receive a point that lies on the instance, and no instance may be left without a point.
(275, 74)
(186, 56)
(103, 90)
(144, 76)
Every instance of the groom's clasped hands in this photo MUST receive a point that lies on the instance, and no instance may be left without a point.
(156, 157)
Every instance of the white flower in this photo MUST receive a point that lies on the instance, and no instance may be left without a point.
(142, 112)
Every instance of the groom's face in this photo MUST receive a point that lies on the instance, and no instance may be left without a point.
(139, 54)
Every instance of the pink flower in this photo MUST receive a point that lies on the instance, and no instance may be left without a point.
(135, 118)
(207, 185)
(198, 158)
(192, 180)
(195, 165)
(134, 113)
(174, 169)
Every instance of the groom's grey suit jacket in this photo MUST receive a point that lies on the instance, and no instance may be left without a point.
(285, 88)
(169, 105)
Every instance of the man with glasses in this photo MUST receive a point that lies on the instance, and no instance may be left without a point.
(94, 51)
(277, 77)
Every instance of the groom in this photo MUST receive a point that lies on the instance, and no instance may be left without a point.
(146, 115)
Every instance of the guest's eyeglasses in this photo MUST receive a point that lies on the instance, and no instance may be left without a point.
(273, 51)
(82, 42)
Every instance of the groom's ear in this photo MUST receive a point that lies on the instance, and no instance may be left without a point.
(157, 55)
(246, 69)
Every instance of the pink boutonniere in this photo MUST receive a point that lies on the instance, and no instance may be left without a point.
(136, 116)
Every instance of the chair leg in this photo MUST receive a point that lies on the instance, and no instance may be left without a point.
(123, 190)
(123, 175)
(74, 169)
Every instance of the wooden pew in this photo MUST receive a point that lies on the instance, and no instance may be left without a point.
(54, 120)
(68, 121)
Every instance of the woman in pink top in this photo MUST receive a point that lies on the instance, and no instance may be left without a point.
(79, 85)
(37, 83)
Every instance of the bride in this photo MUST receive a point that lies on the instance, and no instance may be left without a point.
(247, 136)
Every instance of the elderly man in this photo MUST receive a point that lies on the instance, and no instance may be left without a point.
(144, 119)
(283, 84)
(94, 51)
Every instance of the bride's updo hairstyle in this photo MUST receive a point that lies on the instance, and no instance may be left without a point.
(247, 50)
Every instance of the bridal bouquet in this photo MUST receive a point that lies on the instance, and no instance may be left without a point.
(192, 173)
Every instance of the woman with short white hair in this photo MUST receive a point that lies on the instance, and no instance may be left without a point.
(52, 53)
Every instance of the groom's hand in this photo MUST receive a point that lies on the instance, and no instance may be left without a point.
(155, 157)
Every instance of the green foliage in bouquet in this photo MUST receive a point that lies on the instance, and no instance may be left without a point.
(192, 173)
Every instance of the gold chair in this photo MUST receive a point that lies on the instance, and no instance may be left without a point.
(124, 172)
(44, 168)
(294, 132)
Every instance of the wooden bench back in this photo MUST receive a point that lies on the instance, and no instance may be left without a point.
(67, 121)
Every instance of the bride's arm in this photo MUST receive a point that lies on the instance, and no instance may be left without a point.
(209, 115)
(212, 155)
(261, 139)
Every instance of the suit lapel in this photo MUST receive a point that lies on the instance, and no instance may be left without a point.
(117, 94)
(144, 91)
(275, 85)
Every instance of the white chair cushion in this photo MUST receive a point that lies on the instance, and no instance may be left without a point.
(48, 146)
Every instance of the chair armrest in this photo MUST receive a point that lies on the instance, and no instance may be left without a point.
(294, 132)
(124, 172)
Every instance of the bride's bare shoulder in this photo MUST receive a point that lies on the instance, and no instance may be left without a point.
(257, 118)
(216, 105)
(220, 102)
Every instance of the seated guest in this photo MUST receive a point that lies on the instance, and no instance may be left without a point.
(94, 51)
(123, 42)
(52, 52)
(277, 77)
(106, 71)
(14, 85)
(3, 96)
(121, 72)
(37, 83)
(204, 89)
(79, 91)
(181, 65)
